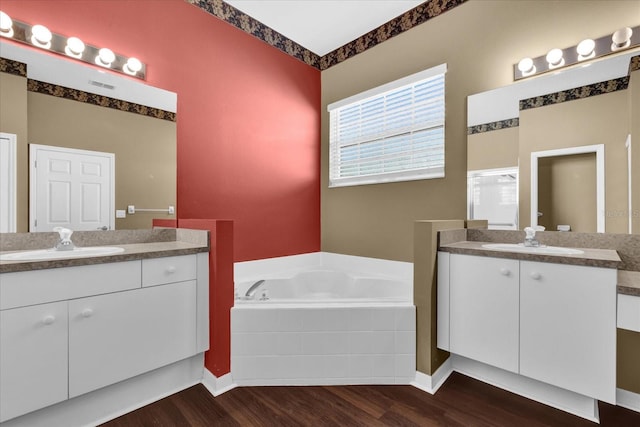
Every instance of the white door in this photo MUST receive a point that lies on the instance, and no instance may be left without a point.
(71, 188)
(120, 335)
(33, 358)
(7, 183)
(568, 327)
(484, 309)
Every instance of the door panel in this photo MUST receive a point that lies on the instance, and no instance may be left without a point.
(71, 188)
(33, 358)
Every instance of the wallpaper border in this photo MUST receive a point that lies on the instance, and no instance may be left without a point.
(416, 16)
(634, 64)
(573, 94)
(488, 127)
(98, 100)
(10, 66)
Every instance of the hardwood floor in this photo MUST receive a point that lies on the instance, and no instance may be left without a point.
(461, 401)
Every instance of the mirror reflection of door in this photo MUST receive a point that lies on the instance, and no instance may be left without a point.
(71, 188)
(7, 183)
(566, 192)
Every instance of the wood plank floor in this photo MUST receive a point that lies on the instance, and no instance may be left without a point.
(461, 401)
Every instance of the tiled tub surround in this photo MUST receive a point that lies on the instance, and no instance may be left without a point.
(137, 244)
(326, 341)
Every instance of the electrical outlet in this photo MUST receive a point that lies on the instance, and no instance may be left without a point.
(121, 213)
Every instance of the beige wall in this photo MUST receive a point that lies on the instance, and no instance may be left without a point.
(588, 121)
(144, 147)
(566, 192)
(13, 119)
(493, 150)
(480, 41)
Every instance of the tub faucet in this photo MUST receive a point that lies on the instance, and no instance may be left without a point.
(65, 243)
(252, 290)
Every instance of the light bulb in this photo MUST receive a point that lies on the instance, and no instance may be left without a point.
(41, 36)
(132, 66)
(525, 65)
(105, 57)
(554, 58)
(586, 49)
(74, 47)
(621, 39)
(6, 25)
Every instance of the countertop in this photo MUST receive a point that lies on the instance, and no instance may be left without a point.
(183, 242)
(628, 281)
(606, 258)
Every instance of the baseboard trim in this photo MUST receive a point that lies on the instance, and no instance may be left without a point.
(217, 385)
(628, 399)
(118, 399)
(565, 400)
(431, 383)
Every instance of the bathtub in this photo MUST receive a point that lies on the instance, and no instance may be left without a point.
(323, 319)
(322, 286)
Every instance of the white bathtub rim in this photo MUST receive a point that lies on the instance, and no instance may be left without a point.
(287, 266)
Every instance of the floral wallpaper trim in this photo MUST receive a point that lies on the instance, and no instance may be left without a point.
(241, 20)
(10, 66)
(412, 18)
(634, 64)
(581, 92)
(416, 16)
(488, 127)
(98, 100)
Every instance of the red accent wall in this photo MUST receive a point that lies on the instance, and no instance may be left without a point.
(248, 114)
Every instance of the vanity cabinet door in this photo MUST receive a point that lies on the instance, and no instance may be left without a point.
(33, 358)
(484, 296)
(568, 327)
(118, 336)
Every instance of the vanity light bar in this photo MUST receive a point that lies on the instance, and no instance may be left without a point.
(588, 49)
(71, 47)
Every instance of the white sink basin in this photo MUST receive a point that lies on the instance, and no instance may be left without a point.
(47, 254)
(519, 247)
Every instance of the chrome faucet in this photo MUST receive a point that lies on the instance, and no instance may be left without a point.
(65, 243)
(530, 236)
(252, 290)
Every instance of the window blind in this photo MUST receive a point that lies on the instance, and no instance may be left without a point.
(393, 135)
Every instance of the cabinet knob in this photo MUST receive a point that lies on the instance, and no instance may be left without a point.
(171, 269)
(87, 312)
(47, 320)
(505, 271)
(535, 275)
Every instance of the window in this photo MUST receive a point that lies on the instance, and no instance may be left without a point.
(493, 195)
(394, 132)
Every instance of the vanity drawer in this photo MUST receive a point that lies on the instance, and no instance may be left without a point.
(160, 271)
(57, 284)
(629, 312)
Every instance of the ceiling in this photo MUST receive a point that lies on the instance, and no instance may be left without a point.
(322, 26)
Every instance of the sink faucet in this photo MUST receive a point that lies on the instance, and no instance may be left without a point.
(530, 236)
(65, 243)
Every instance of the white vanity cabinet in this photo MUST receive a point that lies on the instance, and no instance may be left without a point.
(568, 327)
(33, 358)
(484, 294)
(82, 328)
(555, 323)
(118, 336)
